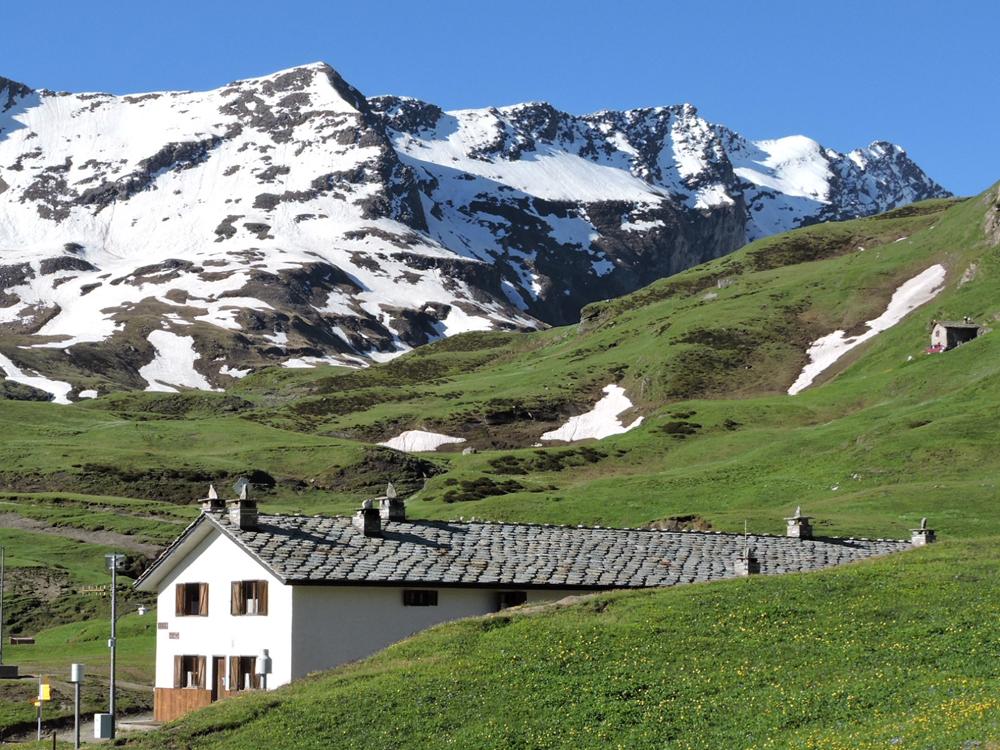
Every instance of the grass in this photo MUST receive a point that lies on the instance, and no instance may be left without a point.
(86, 643)
(900, 652)
(860, 657)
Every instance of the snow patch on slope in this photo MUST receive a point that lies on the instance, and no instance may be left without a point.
(415, 441)
(173, 364)
(600, 422)
(828, 349)
(58, 389)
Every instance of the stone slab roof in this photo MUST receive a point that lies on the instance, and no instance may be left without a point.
(331, 551)
(957, 324)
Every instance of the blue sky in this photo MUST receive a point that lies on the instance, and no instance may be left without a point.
(922, 74)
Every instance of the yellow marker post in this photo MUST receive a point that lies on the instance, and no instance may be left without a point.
(44, 694)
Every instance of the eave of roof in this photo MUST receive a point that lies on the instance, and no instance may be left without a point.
(187, 538)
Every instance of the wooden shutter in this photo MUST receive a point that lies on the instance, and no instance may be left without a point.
(234, 673)
(261, 597)
(178, 671)
(199, 672)
(203, 599)
(254, 677)
(236, 600)
(179, 599)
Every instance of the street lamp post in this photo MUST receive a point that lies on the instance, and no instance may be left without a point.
(115, 561)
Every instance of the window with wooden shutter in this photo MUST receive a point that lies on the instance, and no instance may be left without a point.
(189, 671)
(248, 598)
(243, 673)
(191, 599)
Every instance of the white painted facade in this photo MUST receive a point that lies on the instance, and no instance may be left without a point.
(332, 625)
(218, 561)
(307, 627)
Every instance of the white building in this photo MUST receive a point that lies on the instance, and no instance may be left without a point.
(314, 592)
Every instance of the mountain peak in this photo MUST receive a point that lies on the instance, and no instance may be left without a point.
(11, 91)
(286, 219)
(316, 79)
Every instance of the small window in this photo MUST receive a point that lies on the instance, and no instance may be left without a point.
(507, 599)
(248, 598)
(192, 599)
(243, 673)
(189, 671)
(420, 598)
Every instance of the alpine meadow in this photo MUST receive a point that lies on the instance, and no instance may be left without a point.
(494, 428)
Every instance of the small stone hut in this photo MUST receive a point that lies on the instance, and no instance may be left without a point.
(948, 334)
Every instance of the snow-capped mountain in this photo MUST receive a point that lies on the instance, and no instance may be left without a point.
(177, 239)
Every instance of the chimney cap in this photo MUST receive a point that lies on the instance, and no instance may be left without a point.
(242, 488)
(798, 515)
(923, 525)
(211, 500)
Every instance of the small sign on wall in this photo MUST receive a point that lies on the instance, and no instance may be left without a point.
(174, 636)
(162, 626)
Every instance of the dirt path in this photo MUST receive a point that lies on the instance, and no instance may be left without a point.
(64, 732)
(103, 536)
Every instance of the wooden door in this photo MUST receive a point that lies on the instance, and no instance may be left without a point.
(218, 677)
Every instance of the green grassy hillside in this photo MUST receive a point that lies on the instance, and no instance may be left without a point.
(872, 655)
(901, 653)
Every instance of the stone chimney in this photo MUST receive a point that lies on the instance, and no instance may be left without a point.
(390, 507)
(211, 502)
(243, 510)
(367, 520)
(747, 564)
(799, 526)
(923, 535)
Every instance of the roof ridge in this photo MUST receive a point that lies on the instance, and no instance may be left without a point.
(585, 527)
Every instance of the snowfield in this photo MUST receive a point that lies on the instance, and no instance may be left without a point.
(173, 365)
(600, 422)
(417, 441)
(58, 389)
(824, 351)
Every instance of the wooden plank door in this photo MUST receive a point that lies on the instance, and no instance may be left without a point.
(218, 677)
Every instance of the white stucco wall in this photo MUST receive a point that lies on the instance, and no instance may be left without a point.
(218, 561)
(332, 625)
(307, 628)
(939, 336)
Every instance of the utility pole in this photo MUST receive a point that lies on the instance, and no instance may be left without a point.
(114, 562)
(1, 605)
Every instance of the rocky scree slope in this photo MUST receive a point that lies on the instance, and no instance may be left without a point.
(182, 239)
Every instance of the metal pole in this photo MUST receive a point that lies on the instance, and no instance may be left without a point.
(39, 709)
(1, 604)
(114, 631)
(76, 716)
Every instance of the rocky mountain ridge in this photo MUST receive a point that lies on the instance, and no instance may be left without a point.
(181, 239)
